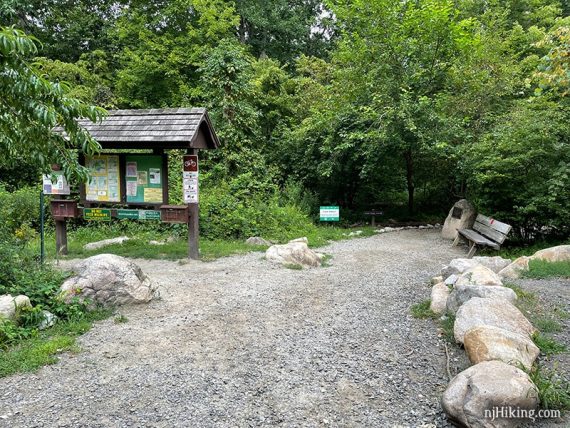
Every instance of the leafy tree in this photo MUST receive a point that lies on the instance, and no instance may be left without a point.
(554, 69)
(66, 29)
(31, 107)
(284, 29)
(520, 170)
(83, 77)
(163, 45)
(391, 66)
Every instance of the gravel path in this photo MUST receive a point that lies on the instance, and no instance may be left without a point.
(239, 342)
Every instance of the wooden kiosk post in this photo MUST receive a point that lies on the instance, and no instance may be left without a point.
(190, 184)
(134, 185)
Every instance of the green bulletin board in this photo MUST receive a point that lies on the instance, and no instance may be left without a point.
(144, 177)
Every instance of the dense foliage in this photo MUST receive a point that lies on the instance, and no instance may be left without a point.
(408, 105)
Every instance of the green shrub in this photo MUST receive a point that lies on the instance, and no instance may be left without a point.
(235, 210)
(422, 310)
(19, 208)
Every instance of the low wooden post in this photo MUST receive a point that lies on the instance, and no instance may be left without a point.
(373, 222)
(61, 236)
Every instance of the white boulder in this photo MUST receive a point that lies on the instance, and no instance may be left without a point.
(561, 253)
(496, 263)
(108, 280)
(451, 280)
(472, 395)
(458, 266)
(10, 306)
(439, 295)
(479, 311)
(105, 243)
(295, 252)
(478, 275)
(488, 343)
(463, 293)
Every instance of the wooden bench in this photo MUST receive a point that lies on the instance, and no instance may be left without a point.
(486, 232)
(374, 213)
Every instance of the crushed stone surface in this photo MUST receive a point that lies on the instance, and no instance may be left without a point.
(240, 342)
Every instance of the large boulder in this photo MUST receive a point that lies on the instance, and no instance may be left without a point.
(473, 395)
(496, 263)
(439, 294)
(10, 306)
(458, 266)
(479, 311)
(487, 343)
(479, 275)
(295, 252)
(108, 280)
(560, 253)
(515, 269)
(461, 216)
(105, 243)
(463, 293)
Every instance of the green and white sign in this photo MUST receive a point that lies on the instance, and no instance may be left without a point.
(98, 214)
(139, 214)
(330, 213)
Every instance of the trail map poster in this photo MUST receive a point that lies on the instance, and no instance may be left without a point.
(144, 179)
(105, 182)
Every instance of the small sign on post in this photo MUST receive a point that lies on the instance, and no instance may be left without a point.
(190, 179)
(190, 189)
(60, 187)
(330, 213)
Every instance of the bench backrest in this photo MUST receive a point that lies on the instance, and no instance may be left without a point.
(491, 228)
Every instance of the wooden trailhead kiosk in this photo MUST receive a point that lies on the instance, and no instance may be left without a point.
(126, 183)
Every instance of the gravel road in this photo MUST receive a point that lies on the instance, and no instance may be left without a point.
(239, 342)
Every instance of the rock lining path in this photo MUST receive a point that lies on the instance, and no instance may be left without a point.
(240, 342)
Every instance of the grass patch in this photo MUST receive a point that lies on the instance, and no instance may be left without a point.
(422, 311)
(42, 348)
(543, 269)
(553, 391)
(547, 325)
(547, 345)
(175, 245)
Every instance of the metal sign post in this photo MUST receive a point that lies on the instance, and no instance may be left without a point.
(42, 232)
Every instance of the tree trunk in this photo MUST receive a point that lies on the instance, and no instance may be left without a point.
(410, 180)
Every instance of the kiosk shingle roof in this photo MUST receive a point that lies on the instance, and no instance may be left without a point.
(153, 128)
